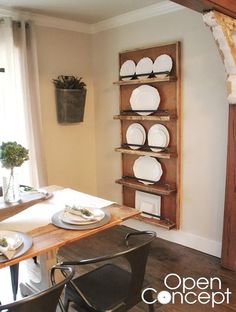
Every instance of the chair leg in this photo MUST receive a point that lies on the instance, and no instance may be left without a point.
(14, 269)
(35, 259)
(66, 303)
(149, 298)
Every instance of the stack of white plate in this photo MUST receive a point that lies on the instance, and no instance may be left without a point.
(145, 97)
(147, 168)
(73, 215)
(144, 66)
(158, 135)
(127, 69)
(135, 134)
(163, 63)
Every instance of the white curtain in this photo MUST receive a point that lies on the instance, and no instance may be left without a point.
(20, 118)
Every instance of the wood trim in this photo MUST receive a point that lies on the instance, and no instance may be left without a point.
(161, 223)
(165, 155)
(228, 256)
(149, 117)
(227, 7)
(146, 80)
(151, 188)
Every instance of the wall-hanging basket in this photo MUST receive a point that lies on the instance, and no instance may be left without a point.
(70, 105)
(70, 99)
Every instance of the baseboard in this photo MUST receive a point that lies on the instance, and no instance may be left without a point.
(200, 243)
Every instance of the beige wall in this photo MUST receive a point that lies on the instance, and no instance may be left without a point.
(204, 121)
(70, 149)
(82, 156)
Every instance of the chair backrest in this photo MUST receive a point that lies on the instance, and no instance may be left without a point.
(137, 259)
(45, 301)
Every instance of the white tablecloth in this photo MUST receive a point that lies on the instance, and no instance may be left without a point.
(40, 214)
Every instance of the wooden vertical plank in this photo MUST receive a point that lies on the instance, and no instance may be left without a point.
(227, 7)
(170, 93)
(228, 256)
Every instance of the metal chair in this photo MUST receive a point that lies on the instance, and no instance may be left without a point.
(45, 301)
(110, 287)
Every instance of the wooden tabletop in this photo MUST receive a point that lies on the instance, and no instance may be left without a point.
(50, 237)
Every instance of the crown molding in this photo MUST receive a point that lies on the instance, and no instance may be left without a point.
(158, 9)
(47, 21)
(60, 23)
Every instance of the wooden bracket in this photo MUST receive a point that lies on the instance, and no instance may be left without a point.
(223, 29)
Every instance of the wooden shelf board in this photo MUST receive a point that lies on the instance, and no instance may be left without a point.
(149, 117)
(146, 80)
(160, 223)
(166, 155)
(151, 188)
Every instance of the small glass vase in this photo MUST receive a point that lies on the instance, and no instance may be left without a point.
(10, 187)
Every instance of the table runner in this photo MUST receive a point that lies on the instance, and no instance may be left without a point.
(40, 214)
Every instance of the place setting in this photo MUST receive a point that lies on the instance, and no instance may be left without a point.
(78, 217)
(13, 244)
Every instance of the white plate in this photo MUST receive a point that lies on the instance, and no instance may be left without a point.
(145, 97)
(162, 63)
(148, 203)
(148, 168)
(14, 240)
(144, 66)
(135, 134)
(158, 135)
(70, 218)
(127, 69)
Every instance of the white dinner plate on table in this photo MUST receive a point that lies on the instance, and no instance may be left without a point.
(12, 238)
(144, 66)
(67, 217)
(57, 221)
(135, 134)
(147, 168)
(162, 63)
(158, 135)
(21, 243)
(127, 69)
(145, 97)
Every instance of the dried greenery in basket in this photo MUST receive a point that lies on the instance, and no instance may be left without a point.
(69, 82)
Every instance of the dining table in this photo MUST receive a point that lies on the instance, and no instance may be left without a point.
(36, 222)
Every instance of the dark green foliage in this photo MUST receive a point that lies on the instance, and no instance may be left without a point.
(13, 154)
(69, 82)
(3, 242)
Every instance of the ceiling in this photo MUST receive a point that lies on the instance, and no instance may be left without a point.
(87, 11)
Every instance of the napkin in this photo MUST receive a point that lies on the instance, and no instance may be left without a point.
(10, 250)
(76, 210)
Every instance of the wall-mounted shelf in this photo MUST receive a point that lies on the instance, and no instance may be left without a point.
(159, 189)
(146, 80)
(167, 189)
(164, 154)
(163, 118)
(168, 225)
